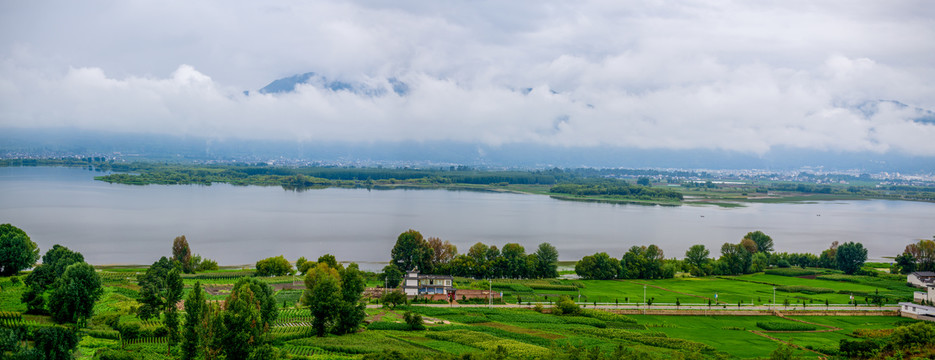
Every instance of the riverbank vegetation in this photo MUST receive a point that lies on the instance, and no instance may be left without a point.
(162, 312)
(583, 184)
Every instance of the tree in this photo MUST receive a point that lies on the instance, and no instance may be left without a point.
(734, 259)
(391, 276)
(599, 266)
(242, 323)
(414, 320)
(905, 263)
(274, 266)
(478, 252)
(393, 298)
(17, 251)
(514, 256)
(75, 294)
(182, 253)
(924, 254)
(351, 311)
(41, 279)
(412, 251)
(195, 312)
(329, 260)
(764, 243)
(748, 245)
(827, 258)
(160, 291)
(850, 257)
(55, 343)
(546, 261)
(643, 181)
(697, 257)
(442, 252)
(323, 296)
(264, 296)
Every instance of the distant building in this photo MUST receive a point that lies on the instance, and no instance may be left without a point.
(916, 311)
(921, 279)
(415, 284)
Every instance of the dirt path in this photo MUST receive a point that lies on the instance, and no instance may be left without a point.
(829, 328)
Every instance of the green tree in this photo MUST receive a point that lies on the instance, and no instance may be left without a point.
(412, 251)
(783, 352)
(41, 279)
(414, 320)
(905, 263)
(599, 266)
(264, 296)
(195, 311)
(514, 256)
(182, 253)
(274, 266)
(55, 343)
(17, 251)
(75, 294)
(850, 257)
(391, 276)
(697, 258)
(323, 297)
(546, 261)
(394, 298)
(764, 243)
(160, 291)
(643, 181)
(734, 259)
(442, 252)
(330, 260)
(352, 311)
(243, 326)
(565, 306)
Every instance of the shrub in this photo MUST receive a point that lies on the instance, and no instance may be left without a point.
(915, 335)
(273, 266)
(414, 321)
(565, 306)
(129, 331)
(784, 326)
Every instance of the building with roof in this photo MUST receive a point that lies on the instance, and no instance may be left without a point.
(921, 279)
(415, 284)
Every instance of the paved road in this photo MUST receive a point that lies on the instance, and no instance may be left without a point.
(686, 307)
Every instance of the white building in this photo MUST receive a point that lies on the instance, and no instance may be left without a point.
(415, 284)
(921, 279)
(916, 311)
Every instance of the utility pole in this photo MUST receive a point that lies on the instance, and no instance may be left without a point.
(644, 294)
(489, 293)
(774, 295)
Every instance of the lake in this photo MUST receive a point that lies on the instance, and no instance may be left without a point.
(124, 224)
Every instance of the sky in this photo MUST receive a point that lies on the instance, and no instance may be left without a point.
(744, 76)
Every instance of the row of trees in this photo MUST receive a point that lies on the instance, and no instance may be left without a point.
(919, 256)
(434, 256)
(753, 253)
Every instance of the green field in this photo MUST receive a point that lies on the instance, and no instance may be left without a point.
(524, 333)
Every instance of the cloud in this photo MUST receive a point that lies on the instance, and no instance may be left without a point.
(683, 75)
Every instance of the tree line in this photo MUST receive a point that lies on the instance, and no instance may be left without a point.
(754, 253)
(66, 287)
(613, 187)
(434, 256)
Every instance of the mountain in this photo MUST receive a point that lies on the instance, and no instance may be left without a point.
(288, 84)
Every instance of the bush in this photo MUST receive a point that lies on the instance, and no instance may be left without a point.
(565, 306)
(392, 299)
(274, 266)
(784, 326)
(414, 321)
(915, 335)
(207, 265)
(129, 331)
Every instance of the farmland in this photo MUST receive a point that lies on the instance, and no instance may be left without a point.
(521, 330)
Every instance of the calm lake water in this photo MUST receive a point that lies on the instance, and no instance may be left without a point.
(122, 224)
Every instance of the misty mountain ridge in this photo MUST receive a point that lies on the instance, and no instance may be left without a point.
(289, 84)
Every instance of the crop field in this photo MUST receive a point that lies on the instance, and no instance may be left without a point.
(523, 332)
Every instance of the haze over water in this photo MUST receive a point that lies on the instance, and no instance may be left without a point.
(122, 224)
